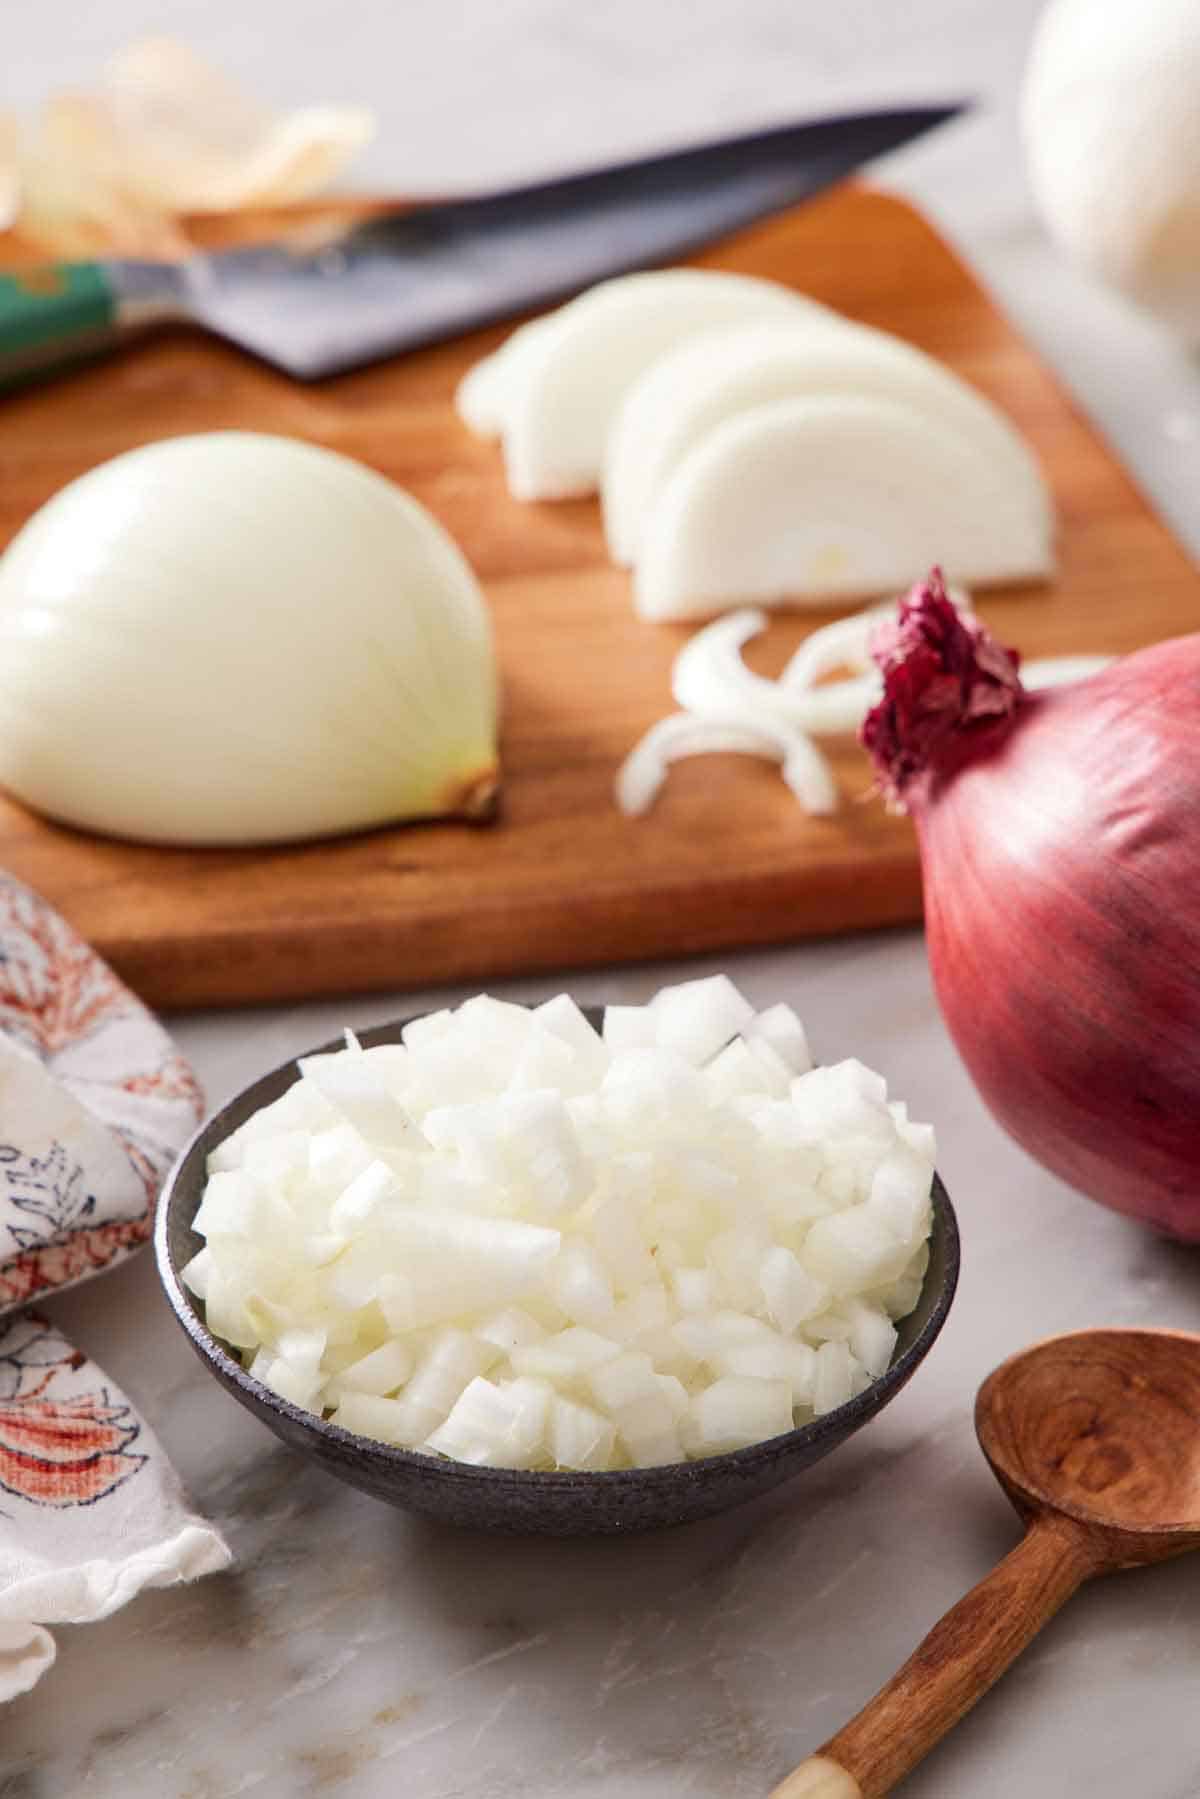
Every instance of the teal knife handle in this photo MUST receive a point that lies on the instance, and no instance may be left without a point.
(54, 315)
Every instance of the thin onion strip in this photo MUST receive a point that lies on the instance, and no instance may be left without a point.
(710, 679)
(1057, 671)
(684, 734)
(726, 706)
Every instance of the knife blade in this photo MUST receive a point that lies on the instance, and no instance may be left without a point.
(412, 277)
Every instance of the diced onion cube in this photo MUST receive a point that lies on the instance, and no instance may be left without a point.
(418, 1033)
(298, 1385)
(648, 1428)
(580, 1283)
(495, 1426)
(621, 1380)
(357, 1092)
(362, 1198)
(628, 1027)
(566, 1356)
(852, 1250)
(563, 1018)
(367, 1415)
(510, 1329)
(381, 1371)
(196, 1273)
(741, 1069)
(698, 1018)
(872, 1336)
(693, 1288)
(780, 1027)
(834, 1378)
(790, 1291)
(579, 1436)
(738, 1410)
(899, 1195)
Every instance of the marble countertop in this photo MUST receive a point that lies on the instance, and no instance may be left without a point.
(357, 1652)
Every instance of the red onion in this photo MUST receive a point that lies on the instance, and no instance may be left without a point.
(1060, 855)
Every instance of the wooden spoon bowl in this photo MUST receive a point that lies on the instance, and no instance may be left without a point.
(1103, 1427)
(1095, 1437)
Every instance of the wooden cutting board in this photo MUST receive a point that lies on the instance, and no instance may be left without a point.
(561, 879)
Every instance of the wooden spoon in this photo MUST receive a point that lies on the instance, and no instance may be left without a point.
(1095, 1437)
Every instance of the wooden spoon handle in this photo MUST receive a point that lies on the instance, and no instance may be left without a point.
(964, 1653)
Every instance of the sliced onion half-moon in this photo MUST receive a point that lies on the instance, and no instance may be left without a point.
(553, 390)
(484, 396)
(836, 497)
(712, 377)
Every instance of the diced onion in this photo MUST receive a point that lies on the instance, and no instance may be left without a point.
(694, 1240)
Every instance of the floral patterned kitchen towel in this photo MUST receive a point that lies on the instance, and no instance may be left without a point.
(95, 1103)
(90, 1509)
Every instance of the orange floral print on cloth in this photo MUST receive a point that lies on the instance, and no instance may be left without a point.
(90, 1509)
(95, 1103)
(60, 1443)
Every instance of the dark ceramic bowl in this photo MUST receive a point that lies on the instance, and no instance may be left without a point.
(548, 1504)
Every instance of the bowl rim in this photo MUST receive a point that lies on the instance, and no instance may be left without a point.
(836, 1424)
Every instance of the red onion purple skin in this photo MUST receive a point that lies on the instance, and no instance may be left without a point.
(1060, 853)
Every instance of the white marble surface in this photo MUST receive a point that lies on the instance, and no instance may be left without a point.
(356, 1652)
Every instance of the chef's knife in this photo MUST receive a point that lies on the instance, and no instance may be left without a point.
(411, 277)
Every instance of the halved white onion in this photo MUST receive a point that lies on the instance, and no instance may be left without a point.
(831, 497)
(553, 391)
(717, 375)
(238, 638)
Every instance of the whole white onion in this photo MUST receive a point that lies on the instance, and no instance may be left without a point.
(235, 638)
(1111, 126)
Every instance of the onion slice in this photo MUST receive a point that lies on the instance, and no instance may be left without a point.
(682, 734)
(726, 706)
(711, 679)
(844, 644)
(1059, 671)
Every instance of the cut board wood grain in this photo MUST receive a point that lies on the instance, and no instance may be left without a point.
(561, 879)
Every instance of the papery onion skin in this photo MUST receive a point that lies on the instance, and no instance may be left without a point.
(1060, 853)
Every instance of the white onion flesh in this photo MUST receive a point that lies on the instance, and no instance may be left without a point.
(234, 638)
(712, 378)
(726, 706)
(710, 678)
(831, 497)
(682, 734)
(1111, 131)
(695, 1242)
(552, 390)
(1057, 671)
